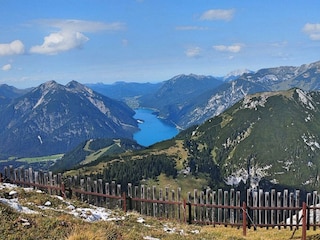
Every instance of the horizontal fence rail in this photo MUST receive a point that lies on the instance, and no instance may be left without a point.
(257, 208)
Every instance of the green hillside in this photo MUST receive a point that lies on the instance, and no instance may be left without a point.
(270, 137)
(92, 149)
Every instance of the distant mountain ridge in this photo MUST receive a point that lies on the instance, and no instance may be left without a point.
(8, 93)
(177, 93)
(53, 118)
(128, 92)
(305, 77)
(217, 100)
(187, 100)
(235, 74)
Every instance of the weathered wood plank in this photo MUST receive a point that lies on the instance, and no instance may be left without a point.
(267, 204)
(225, 203)
(154, 205)
(195, 201)
(220, 202)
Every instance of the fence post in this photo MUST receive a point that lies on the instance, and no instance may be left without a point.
(124, 198)
(154, 205)
(179, 206)
(129, 195)
(185, 211)
(304, 221)
(315, 200)
(244, 219)
(190, 215)
(63, 190)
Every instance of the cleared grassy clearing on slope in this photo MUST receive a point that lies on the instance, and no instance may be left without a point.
(40, 159)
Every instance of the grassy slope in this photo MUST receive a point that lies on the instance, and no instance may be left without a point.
(175, 150)
(40, 159)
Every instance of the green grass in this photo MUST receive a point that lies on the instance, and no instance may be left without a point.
(187, 183)
(40, 159)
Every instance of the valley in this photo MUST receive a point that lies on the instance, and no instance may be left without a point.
(259, 127)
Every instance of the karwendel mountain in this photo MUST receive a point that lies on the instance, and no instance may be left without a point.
(186, 100)
(53, 118)
(269, 137)
(218, 99)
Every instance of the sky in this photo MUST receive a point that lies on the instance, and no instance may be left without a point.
(106, 41)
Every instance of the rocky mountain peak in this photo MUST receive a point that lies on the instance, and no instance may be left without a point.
(52, 84)
(235, 74)
(75, 86)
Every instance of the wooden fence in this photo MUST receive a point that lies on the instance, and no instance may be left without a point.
(257, 209)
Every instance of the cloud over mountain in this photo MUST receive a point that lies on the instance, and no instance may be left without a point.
(13, 48)
(76, 25)
(193, 52)
(218, 14)
(312, 30)
(6, 67)
(60, 42)
(70, 34)
(231, 48)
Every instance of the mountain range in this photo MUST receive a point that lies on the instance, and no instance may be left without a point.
(53, 118)
(265, 139)
(187, 100)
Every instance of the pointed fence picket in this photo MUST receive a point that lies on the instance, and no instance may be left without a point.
(254, 208)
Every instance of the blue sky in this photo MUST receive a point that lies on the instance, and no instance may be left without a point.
(106, 41)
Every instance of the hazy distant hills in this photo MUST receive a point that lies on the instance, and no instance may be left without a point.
(177, 94)
(8, 93)
(269, 138)
(128, 92)
(53, 118)
(186, 100)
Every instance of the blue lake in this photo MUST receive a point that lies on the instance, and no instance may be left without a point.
(152, 129)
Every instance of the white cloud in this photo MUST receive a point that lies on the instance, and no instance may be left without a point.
(218, 14)
(125, 42)
(70, 34)
(231, 48)
(279, 44)
(193, 52)
(60, 42)
(75, 25)
(15, 47)
(312, 30)
(190, 28)
(6, 67)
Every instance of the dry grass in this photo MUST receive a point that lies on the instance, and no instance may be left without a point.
(95, 232)
(49, 224)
